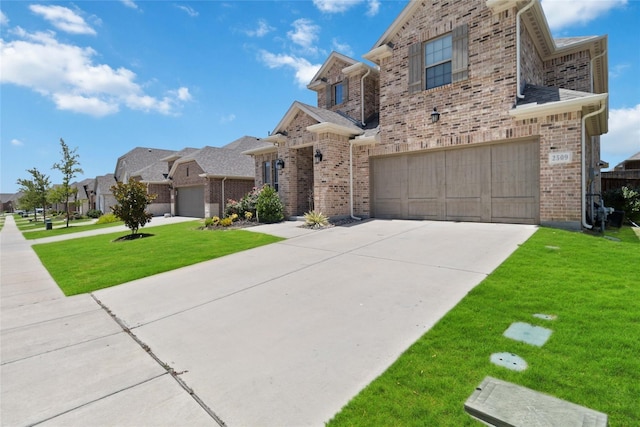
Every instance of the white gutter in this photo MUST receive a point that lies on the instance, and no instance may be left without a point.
(362, 95)
(352, 143)
(582, 160)
(524, 9)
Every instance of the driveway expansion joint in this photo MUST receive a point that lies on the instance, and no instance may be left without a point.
(174, 374)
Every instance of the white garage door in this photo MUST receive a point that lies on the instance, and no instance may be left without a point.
(490, 183)
(190, 201)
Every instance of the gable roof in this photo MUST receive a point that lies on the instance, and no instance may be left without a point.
(137, 159)
(227, 161)
(177, 154)
(104, 183)
(339, 121)
(333, 57)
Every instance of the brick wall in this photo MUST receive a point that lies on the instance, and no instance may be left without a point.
(187, 174)
(569, 72)
(233, 189)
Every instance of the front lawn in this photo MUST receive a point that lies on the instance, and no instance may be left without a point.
(592, 285)
(91, 263)
(60, 228)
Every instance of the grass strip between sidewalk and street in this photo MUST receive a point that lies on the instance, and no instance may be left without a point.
(97, 262)
(592, 358)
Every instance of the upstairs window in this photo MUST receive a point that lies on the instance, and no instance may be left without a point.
(439, 62)
(437, 58)
(336, 93)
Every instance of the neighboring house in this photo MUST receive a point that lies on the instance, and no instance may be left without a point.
(474, 113)
(136, 160)
(203, 180)
(83, 197)
(626, 173)
(104, 199)
(156, 178)
(9, 202)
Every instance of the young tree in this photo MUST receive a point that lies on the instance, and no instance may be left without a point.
(132, 200)
(69, 166)
(36, 191)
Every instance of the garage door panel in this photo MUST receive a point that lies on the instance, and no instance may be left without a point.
(490, 183)
(425, 175)
(190, 201)
(426, 209)
(466, 172)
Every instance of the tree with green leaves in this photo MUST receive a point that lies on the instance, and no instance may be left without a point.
(35, 192)
(132, 201)
(69, 167)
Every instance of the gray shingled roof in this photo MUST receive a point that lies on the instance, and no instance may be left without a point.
(137, 159)
(227, 160)
(544, 95)
(154, 172)
(83, 186)
(104, 183)
(328, 116)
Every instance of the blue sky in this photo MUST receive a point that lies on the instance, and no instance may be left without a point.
(108, 76)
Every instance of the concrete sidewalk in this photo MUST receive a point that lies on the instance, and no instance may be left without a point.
(281, 335)
(66, 361)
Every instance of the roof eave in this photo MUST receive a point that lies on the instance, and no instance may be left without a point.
(334, 128)
(529, 111)
(261, 150)
(378, 54)
(216, 175)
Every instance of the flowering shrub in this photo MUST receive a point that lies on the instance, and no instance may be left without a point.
(248, 215)
(227, 221)
(269, 207)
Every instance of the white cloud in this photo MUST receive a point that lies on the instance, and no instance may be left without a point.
(63, 19)
(129, 3)
(17, 143)
(67, 75)
(3, 19)
(305, 33)
(304, 70)
(618, 70)
(374, 8)
(189, 10)
(623, 138)
(261, 30)
(227, 119)
(335, 6)
(565, 13)
(342, 48)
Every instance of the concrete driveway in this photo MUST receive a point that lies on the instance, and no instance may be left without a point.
(286, 334)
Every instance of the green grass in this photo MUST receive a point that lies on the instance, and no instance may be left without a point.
(592, 357)
(61, 228)
(91, 263)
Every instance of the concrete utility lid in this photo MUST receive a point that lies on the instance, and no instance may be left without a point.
(509, 360)
(534, 335)
(545, 316)
(503, 404)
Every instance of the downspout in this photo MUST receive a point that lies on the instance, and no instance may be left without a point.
(524, 9)
(351, 144)
(223, 180)
(583, 165)
(362, 95)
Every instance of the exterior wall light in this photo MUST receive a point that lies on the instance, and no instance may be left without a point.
(318, 156)
(435, 116)
(279, 164)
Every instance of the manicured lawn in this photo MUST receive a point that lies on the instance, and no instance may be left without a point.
(60, 228)
(592, 358)
(91, 263)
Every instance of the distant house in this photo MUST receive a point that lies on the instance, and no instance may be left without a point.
(472, 112)
(203, 180)
(9, 201)
(103, 197)
(83, 198)
(626, 173)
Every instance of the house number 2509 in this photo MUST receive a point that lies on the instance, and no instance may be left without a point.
(560, 157)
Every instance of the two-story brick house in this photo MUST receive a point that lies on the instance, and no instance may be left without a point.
(483, 116)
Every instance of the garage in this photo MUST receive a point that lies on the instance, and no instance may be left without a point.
(488, 183)
(190, 201)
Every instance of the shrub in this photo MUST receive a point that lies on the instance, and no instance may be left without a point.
(625, 199)
(269, 207)
(316, 219)
(94, 213)
(248, 216)
(234, 217)
(226, 222)
(107, 218)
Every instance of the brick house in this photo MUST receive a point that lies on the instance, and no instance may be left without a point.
(473, 112)
(202, 181)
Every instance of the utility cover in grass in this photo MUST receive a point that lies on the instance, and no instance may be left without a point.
(524, 332)
(509, 360)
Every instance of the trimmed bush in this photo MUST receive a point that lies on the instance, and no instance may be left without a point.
(94, 213)
(107, 219)
(269, 207)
